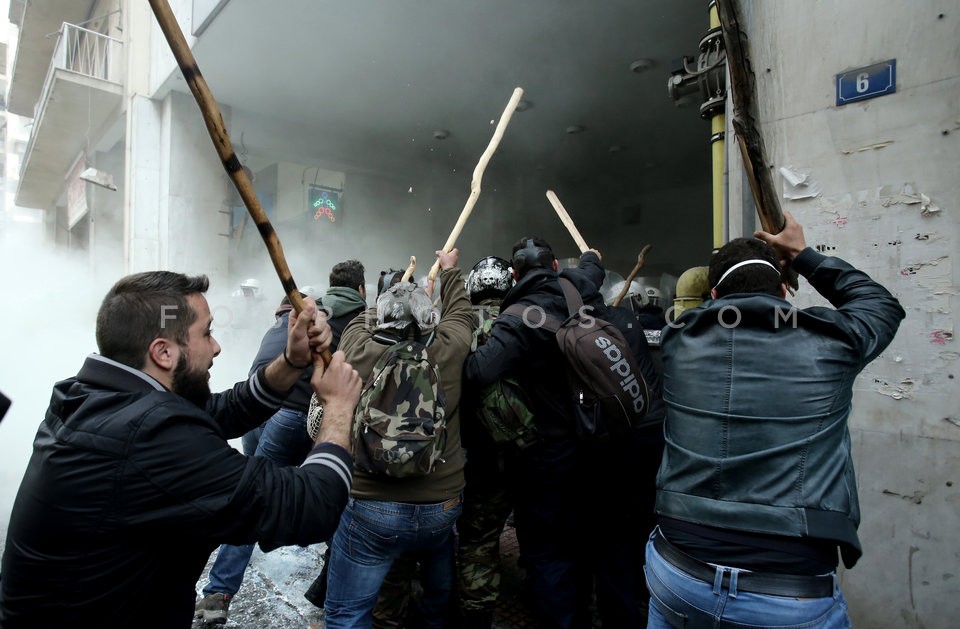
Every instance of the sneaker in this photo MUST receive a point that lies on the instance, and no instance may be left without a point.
(212, 608)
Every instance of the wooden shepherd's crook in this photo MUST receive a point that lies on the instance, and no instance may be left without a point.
(410, 269)
(477, 176)
(567, 221)
(745, 122)
(636, 269)
(221, 141)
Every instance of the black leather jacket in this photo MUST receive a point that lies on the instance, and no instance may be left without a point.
(130, 488)
(758, 395)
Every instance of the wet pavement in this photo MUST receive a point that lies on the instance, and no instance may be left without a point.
(273, 587)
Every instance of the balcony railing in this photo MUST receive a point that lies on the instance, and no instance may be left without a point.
(85, 52)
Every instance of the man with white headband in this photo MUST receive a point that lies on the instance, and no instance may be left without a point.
(756, 491)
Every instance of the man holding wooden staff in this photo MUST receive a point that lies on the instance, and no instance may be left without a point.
(132, 482)
(757, 490)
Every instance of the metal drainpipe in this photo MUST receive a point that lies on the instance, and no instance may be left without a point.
(709, 78)
(718, 120)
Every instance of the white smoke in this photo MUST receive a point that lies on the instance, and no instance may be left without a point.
(50, 304)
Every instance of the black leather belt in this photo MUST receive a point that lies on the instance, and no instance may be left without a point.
(794, 585)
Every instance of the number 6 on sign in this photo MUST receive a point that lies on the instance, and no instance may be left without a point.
(867, 82)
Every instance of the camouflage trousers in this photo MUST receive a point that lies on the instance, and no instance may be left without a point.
(396, 594)
(487, 503)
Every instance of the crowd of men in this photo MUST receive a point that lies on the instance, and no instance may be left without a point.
(730, 504)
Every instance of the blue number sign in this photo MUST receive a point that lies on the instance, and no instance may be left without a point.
(867, 82)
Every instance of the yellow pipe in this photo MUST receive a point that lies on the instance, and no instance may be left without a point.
(718, 125)
(692, 286)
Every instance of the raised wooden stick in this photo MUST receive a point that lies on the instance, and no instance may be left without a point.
(477, 176)
(410, 269)
(567, 221)
(745, 121)
(221, 141)
(636, 269)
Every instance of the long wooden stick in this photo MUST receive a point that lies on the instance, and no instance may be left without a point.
(410, 269)
(221, 141)
(743, 90)
(633, 273)
(567, 221)
(478, 175)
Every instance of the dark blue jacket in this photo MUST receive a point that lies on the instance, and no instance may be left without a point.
(275, 340)
(758, 395)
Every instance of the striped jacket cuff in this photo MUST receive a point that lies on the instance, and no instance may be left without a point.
(334, 457)
(262, 392)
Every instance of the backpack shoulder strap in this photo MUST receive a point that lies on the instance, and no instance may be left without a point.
(570, 293)
(536, 319)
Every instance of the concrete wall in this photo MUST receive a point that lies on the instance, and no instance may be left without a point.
(195, 238)
(886, 170)
(161, 61)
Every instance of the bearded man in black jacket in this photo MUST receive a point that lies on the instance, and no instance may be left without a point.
(132, 482)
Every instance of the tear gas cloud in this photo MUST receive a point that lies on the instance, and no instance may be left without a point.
(50, 304)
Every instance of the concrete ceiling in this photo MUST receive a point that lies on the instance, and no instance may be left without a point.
(369, 82)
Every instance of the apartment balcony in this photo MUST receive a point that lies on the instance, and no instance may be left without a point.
(81, 94)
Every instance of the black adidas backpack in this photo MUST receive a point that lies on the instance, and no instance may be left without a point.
(609, 393)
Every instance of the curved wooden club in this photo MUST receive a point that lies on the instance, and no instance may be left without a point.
(636, 269)
(478, 175)
(221, 141)
(567, 221)
(410, 269)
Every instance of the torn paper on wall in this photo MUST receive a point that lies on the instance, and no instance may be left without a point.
(897, 391)
(798, 185)
(869, 147)
(908, 195)
(927, 208)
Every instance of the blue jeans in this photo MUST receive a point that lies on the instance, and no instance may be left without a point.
(251, 439)
(283, 439)
(550, 522)
(679, 600)
(370, 536)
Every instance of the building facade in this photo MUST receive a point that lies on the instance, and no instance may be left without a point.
(122, 169)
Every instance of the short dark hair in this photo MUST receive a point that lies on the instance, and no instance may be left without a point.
(753, 278)
(145, 306)
(531, 252)
(349, 274)
(388, 277)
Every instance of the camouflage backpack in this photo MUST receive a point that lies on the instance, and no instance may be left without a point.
(399, 428)
(504, 409)
(505, 413)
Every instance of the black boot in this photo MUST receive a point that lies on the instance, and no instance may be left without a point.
(317, 592)
(477, 619)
